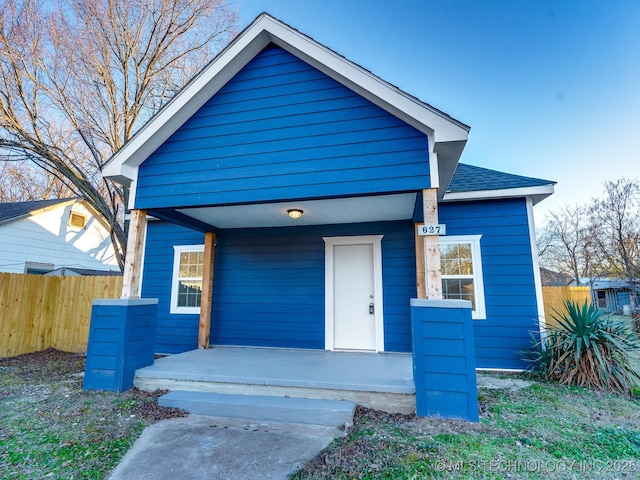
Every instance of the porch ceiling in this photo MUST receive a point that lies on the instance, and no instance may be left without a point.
(316, 212)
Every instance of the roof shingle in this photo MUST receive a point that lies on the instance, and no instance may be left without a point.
(469, 178)
(12, 210)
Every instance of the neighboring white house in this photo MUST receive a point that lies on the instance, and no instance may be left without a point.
(37, 237)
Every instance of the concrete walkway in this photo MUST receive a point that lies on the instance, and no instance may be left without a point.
(197, 447)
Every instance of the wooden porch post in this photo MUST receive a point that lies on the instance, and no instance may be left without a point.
(428, 274)
(421, 286)
(133, 260)
(206, 299)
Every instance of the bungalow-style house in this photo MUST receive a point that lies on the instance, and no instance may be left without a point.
(40, 236)
(303, 178)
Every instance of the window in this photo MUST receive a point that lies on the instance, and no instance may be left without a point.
(186, 289)
(461, 269)
(77, 220)
(37, 268)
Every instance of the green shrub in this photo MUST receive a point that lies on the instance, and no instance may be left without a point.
(589, 349)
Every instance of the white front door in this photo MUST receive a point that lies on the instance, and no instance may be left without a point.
(354, 291)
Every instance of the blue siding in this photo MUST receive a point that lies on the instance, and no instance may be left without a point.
(282, 130)
(269, 290)
(120, 342)
(444, 361)
(507, 266)
(174, 333)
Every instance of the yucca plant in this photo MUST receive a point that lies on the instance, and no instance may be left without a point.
(588, 348)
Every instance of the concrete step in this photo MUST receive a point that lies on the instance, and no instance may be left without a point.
(263, 408)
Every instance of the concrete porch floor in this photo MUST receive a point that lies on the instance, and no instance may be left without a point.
(378, 380)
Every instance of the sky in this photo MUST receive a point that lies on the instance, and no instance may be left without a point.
(550, 89)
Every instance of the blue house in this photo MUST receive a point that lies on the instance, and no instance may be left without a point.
(284, 187)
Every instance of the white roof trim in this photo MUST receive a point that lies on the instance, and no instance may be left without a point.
(123, 166)
(537, 194)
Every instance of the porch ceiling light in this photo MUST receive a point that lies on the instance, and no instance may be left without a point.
(295, 213)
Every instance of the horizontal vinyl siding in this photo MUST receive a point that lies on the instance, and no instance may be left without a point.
(508, 277)
(280, 130)
(47, 237)
(174, 333)
(269, 288)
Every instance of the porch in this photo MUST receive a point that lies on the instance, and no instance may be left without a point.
(383, 381)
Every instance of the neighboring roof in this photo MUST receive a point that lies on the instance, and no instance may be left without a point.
(549, 278)
(471, 182)
(447, 136)
(72, 271)
(605, 284)
(15, 210)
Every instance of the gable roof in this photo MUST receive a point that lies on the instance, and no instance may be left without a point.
(471, 182)
(447, 136)
(16, 210)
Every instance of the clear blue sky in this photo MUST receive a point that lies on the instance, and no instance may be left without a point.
(551, 89)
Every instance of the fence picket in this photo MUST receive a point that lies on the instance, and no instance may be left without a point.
(38, 312)
(555, 298)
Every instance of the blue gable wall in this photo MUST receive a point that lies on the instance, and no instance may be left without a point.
(510, 294)
(282, 130)
(269, 290)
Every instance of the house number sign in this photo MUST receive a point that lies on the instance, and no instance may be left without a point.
(435, 229)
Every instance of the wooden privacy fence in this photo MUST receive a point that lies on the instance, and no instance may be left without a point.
(38, 312)
(555, 298)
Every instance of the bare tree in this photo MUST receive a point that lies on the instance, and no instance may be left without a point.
(567, 246)
(21, 182)
(77, 78)
(617, 230)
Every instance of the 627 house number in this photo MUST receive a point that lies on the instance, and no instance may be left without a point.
(437, 229)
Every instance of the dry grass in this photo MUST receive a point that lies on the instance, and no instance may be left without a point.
(528, 431)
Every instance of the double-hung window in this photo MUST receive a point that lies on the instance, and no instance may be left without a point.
(186, 288)
(461, 269)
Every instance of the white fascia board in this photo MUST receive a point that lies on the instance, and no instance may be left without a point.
(434, 166)
(196, 93)
(537, 280)
(536, 193)
(241, 51)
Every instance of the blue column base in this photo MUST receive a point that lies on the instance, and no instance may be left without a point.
(121, 340)
(444, 362)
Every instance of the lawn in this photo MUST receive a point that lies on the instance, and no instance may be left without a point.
(51, 428)
(528, 429)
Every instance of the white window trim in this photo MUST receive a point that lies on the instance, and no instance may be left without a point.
(480, 312)
(177, 250)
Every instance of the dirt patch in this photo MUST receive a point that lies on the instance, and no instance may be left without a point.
(36, 377)
(492, 382)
